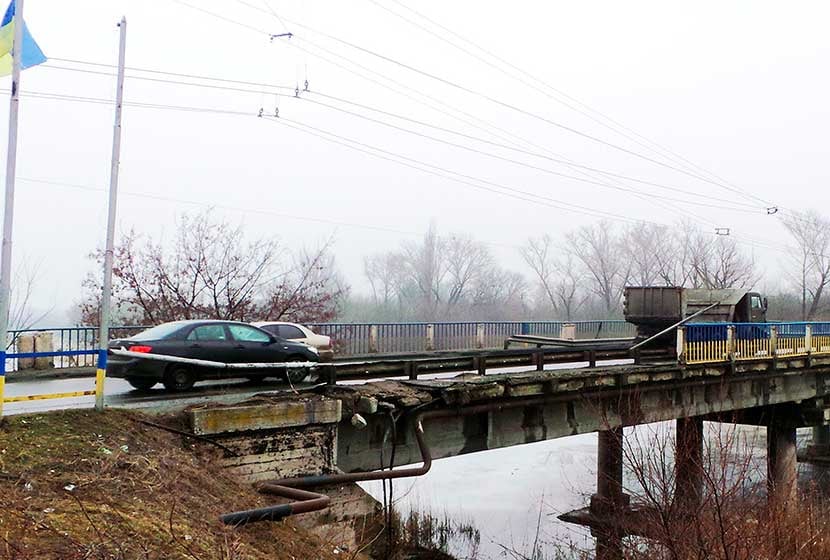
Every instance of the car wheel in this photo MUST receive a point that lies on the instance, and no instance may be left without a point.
(179, 378)
(295, 374)
(142, 383)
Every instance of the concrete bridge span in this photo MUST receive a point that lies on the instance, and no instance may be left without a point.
(350, 428)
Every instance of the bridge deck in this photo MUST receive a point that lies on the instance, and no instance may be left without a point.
(565, 402)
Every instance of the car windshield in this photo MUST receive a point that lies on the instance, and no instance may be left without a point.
(158, 332)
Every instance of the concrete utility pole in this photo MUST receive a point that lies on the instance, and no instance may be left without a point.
(106, 296)
(8, 212)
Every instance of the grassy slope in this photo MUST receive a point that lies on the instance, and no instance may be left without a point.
(79, 484)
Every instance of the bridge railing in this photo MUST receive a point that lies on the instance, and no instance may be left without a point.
(59, 346)
(368, 338)
(75, 346)
(700, 343)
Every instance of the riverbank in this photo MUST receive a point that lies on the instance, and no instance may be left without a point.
(80, 484)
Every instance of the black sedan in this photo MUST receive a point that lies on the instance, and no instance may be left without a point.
(222, 342)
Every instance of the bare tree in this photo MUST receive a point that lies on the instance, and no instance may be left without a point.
(557, 275)
(440, 278)
(211, 270)
(22, 315)
(811, 233)
(715, 261)
(599, 252)
(384, 274)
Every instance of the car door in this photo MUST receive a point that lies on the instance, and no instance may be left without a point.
(210, 342)
(252, 345)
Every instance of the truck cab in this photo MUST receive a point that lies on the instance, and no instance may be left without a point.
(752, 308)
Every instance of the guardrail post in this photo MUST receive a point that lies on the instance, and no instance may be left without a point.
(773, 341)
(330, 374)
(539, 356)
(481, 366)
(681, 345)
(411, 370)
(373, 339)
(569, 331)
(730, 343)
(430, 340)
(480, 335)
(808, 339)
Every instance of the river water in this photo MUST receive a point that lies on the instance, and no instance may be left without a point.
(513, 496)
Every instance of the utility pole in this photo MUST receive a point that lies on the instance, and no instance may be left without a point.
(8, 211)
(106, 296)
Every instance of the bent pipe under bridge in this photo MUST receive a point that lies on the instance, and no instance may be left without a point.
(305, 501)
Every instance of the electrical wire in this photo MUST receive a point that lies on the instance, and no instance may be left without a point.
(508, 105)
(454, 176)
(519, 75)
(283, 20)
(527, 152)
(542, 169)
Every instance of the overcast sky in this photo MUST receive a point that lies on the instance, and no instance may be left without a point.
(739, 88)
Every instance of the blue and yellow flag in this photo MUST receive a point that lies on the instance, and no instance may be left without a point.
(31, 55)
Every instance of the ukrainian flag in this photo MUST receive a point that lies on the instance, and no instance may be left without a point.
(31, 55)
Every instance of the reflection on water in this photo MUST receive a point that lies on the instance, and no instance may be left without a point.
(514, 495)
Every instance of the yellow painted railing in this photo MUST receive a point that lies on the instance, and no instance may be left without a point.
(722, 342)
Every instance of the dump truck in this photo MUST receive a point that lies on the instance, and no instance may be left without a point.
(656, 308)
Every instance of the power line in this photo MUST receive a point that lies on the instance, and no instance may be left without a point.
(357, 47)
(227, 19)
(202, 203)
(432, 169)
(615, 126)
(445, 173)
(527, 152)
(177, 82)
(168, 73)
(510, 106)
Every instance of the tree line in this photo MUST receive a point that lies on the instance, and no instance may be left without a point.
(211, 269)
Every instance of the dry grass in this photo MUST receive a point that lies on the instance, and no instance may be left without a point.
(80, 484)
(733, 519)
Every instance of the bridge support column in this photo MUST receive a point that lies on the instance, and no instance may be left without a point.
(609, 502)
(821, 441)
(782, 466)
(688, 463)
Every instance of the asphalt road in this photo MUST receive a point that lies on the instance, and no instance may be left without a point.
(119, 393)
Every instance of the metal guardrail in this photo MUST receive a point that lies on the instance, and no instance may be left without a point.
(701, 343)
(76, 345)
(72, 346)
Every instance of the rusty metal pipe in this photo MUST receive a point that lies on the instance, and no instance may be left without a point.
(304, 502)
(312, 501)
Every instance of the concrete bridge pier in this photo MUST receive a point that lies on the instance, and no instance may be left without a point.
(688, 463)
(782, 466)
(609, 503)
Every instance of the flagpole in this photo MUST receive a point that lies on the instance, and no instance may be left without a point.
(106, 296)
(8, 209)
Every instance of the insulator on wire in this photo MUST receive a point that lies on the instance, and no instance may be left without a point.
(276, 112)
(306, 86)
(721, 231)
(772, 210)
(261, 110)
(297, 91)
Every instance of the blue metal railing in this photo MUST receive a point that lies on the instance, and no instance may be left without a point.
(75, 346)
